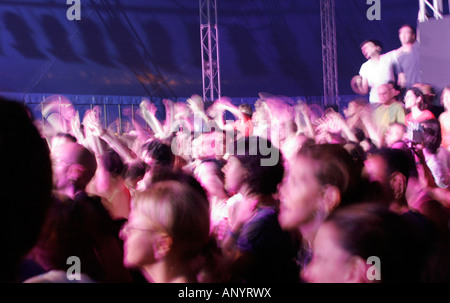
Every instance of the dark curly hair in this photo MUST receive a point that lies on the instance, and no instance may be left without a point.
(418, 93)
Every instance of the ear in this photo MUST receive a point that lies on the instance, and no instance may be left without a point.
(357, 270)
(75, 171)
(162, 246)
(331, 197)
(397, 181)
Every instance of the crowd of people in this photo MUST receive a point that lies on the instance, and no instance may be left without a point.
(282, 193)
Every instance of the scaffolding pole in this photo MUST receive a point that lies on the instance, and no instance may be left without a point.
(209, 40)
(437, 8)
(329, 55)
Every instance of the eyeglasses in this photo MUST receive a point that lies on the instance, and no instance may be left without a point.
(128, 227)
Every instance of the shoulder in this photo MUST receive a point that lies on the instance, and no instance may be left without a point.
(390, 56)
(365, 66)
(261, 217)
(428, 114)
(261, 231)
(399, 104)
(444, 116)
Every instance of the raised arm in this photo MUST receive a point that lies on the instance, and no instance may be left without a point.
(92, 122)
(75, 126)
(217, 112)
(372, 130)
(302, 112)
(148, 111)
(195, 103)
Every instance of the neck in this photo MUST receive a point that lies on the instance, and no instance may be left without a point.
(375, 57)
(415, 111)
(387, 103)
(167, 272)
(309, 229)
(245, 191)
(407, 47)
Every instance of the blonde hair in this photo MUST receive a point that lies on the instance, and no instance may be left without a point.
(179, 210)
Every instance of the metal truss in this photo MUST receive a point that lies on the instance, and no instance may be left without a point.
(210, 49)
(437, 8)
(329, 55)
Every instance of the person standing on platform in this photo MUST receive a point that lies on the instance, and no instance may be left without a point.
(408, 61)
(376, 71)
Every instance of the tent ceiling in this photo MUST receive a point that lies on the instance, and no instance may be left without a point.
(153, 47)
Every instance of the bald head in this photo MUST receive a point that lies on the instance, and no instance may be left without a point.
(386, 94)
(74, 162)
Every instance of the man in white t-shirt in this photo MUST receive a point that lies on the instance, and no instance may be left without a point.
(377, 70)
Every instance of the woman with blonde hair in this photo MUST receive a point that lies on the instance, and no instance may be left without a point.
(167, 236)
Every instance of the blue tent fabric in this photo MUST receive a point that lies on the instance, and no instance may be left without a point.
(121, 51)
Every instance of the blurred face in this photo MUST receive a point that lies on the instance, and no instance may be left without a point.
(300, 194)
(411, 100)
(369, 49)
(350, 110)
(394, 134)
(235, 175)
(139, 238)
(406, 35)
(385, 93)
(330, 262)
(61, 161)
(376, 168)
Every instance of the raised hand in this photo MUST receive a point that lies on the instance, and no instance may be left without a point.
(147, 107)
(168, 103)
(92, 123)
